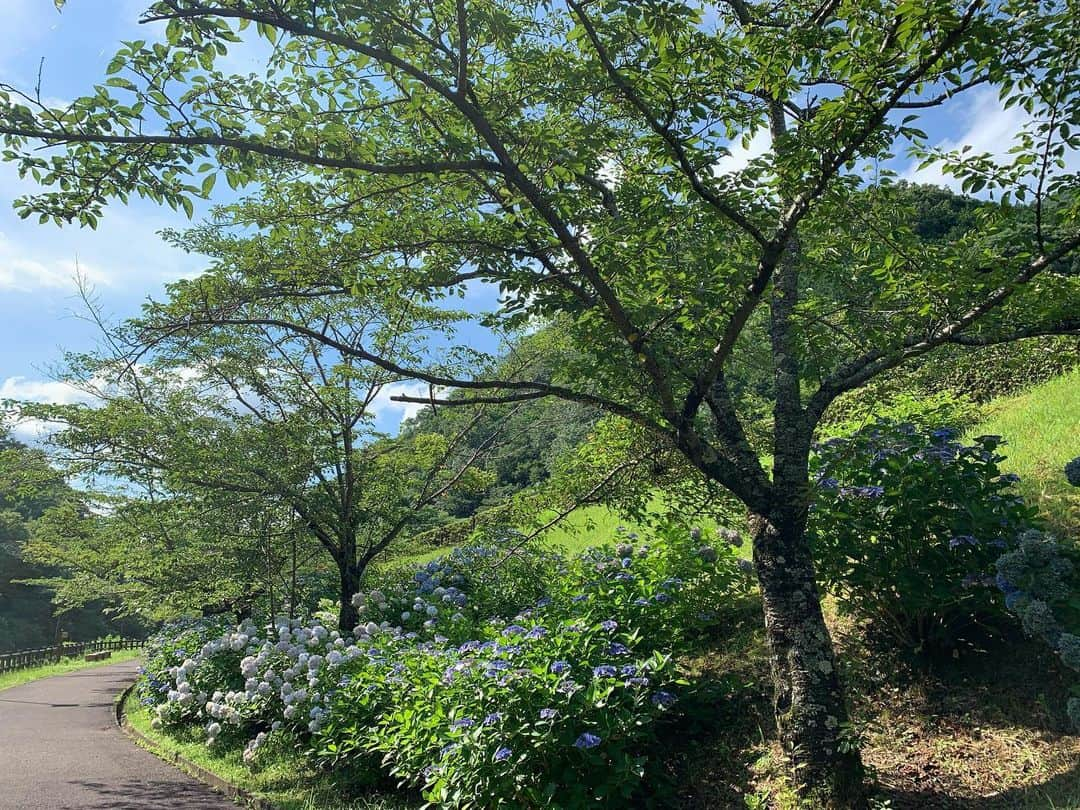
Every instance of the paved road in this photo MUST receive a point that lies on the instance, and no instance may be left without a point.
(60, 749)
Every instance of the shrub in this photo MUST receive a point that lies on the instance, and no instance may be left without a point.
(497, 574)
(907, 523)
(553, 704)
(1072, 472)
(1040, 588)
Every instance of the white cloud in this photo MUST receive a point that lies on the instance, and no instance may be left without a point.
(124, 252)
(740, 156)
(32, 431)
(48, 391)
(20, 271)
(36, 431)
(394, 413)
(986, 127)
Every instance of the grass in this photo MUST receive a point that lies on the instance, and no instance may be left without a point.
(1042, 427)
(281, 778)
(21, 676)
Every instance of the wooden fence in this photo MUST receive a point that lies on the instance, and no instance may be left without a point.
(9, 662)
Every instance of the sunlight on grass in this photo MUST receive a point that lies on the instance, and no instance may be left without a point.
(21, 676)
(1042, 427)
(284, 780)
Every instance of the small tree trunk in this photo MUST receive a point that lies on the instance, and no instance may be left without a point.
(348, 616)
(811, 714)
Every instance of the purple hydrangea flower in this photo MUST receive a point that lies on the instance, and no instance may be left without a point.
(604, 671)
(609, 625)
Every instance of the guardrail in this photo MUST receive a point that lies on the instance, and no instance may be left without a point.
(21, 659)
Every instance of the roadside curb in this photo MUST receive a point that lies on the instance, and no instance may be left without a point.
(228, 789)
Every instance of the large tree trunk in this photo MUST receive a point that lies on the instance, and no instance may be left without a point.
(811, 714)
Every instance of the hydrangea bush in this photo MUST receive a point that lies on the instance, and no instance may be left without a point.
(1038, 581)
(906, 524)
(481, 702)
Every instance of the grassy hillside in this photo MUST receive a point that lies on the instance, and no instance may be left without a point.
(1042, 427)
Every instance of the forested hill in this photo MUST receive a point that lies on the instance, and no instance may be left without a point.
(29, 486)
(524, 441)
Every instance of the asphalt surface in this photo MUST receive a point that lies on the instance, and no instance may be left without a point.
(60, 749)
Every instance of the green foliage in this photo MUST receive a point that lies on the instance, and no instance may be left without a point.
(907, 522)
(498, 573)
(32, 491)
(982, 374)
(556, 703)
(924, 411)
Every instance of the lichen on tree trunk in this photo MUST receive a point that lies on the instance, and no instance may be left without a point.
(811, 713)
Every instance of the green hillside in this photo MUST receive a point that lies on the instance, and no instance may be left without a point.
(1042, 427)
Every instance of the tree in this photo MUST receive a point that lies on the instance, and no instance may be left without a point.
(160, 558)
(574, 153)
(251, 420)
(31, 489)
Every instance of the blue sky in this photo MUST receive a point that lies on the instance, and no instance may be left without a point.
(124, 260)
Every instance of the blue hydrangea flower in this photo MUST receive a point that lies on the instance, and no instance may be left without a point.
(503, 754)
(548, 714)
(664, 700)
(493, 718)
(559, 667)
(609, 625)
(1013, 597)
(615, 648)
(604, 671)
(963, 540)
(587, 740)
(1003, 584)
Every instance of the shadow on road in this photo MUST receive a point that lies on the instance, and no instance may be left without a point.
(135, 794)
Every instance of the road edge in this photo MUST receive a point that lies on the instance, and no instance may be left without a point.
(228, 789)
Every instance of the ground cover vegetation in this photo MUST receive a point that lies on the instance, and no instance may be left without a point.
(573, 155)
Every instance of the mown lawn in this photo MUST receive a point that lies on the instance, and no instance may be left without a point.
(9, 679)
